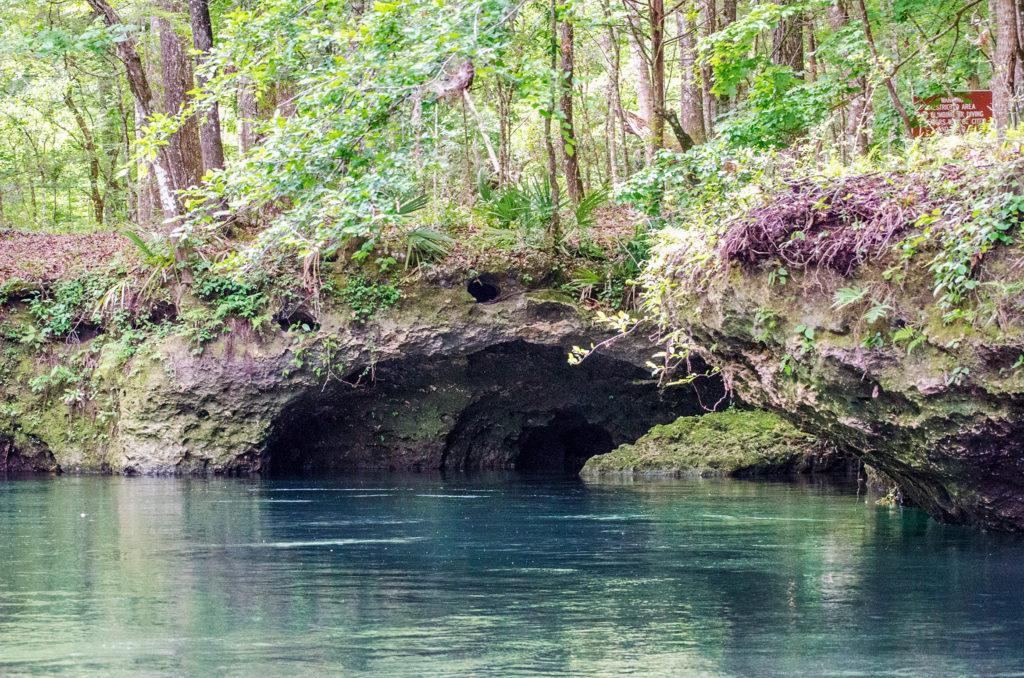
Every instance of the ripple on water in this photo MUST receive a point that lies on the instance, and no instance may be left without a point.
(325, 542)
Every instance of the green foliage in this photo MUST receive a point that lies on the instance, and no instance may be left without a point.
(698, 179)
(59, 375)
(527, 208)
(58, 312)
(583, 213)
(729, 52)
(367, 298)
(779, 108)
(426, 244)
(994, 217)
(226, 298)
(340, 165)
(232, 297)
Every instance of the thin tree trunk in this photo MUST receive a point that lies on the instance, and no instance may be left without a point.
(467, 164)
(812, 47)
(657, 25)
(35, 203)
(854, 139)
(709, 109)
(145, 214)
(555, 226)
(94, 158)
(610, 50)
(644, 95)
(890, 86)
(209, 127)
(570, 161)
(140, 88)
(126, 147)
(504, 91)
(495, 163)
(690, 115)
(247, 116)
(788, 43)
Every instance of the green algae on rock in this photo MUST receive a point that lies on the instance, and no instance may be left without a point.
(729, 443)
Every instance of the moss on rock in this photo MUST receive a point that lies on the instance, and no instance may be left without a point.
(734, 442)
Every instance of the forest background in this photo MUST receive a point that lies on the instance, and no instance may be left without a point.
(278, 131)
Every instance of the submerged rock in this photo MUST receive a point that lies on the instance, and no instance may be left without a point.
(729, 443)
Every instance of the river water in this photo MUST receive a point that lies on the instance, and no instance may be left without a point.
(494, 576)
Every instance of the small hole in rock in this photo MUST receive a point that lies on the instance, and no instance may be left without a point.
(483, 288)
(297, 319)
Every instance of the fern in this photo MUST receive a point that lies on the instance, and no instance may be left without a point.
(878, 311)
(848, 296)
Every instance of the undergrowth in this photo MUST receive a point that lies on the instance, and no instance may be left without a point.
(933, 215)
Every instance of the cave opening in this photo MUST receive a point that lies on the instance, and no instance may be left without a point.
(484, 288)
(510, 406)
(562, 446)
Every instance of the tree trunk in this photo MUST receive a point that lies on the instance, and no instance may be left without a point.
(644, 97)
(145, 211)
(728, 12)
(495, 163)
(889, 84)
(788, 43)
(505, 91)
(138, 83)
(855, 141)
(610, 49)
(690, 115)
(247, 116)
(94, 157)
(209, 129)
(1004, 63)
(554, 226)
(178, 81)
(657, 25)
(570, 161)
(812, 57)
(710, 107)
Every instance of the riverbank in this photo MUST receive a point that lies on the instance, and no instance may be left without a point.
(881, 312)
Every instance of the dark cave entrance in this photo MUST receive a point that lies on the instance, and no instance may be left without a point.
(563, 445)
(484, 288)
(510, 406)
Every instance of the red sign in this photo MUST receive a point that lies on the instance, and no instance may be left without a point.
(943, 113)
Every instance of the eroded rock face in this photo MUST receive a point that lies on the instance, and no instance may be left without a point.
(508, 405)
(25, 456)
(944, 420)
(441, 382)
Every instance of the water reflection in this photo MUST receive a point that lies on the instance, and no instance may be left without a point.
(496, 575)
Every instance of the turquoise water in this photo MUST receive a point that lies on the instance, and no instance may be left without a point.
(494, 576)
